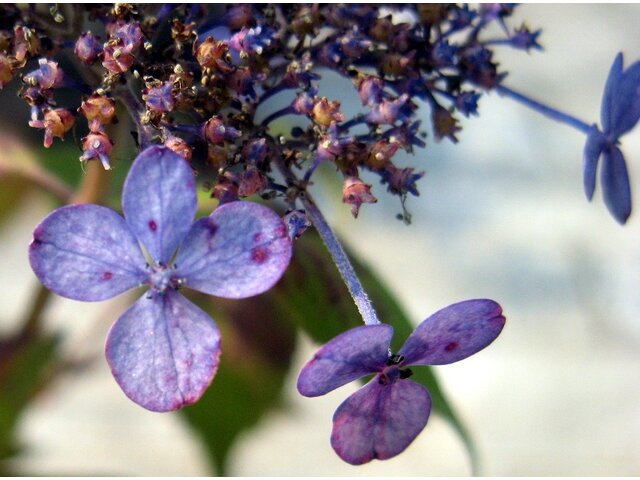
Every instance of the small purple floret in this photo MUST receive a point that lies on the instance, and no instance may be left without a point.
(382, 418)
(163, 351)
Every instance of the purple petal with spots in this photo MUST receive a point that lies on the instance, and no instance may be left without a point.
(240, 250)
(610, 92)
(592, 151)
(379, 421)
(86, 252)
(453, 333)
(163, 351)
(347, 357)
(159, 201)
(615, 184)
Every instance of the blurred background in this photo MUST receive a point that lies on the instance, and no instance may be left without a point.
(501, 215)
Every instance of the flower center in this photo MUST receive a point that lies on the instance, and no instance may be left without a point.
(393, 371)
(163, 277)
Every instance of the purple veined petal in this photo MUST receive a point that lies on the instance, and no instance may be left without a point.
(159, 201)
(615, 184)
(379, 421)
(625, 103)
(610, 92)
(453, 333)
(592, 151)
(86, 252)
(347, 357)
(163, 351)
(240, 250)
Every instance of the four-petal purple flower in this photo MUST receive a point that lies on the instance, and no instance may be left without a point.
(164, 350)
(382, 418)
(619, 113)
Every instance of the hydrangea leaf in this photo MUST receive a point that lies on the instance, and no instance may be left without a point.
(592, 151)
(86, 252)
(453, 333)
(379, 421)
(163, 351)
(258, 347)
(26, 363)
(159, 201)
(352, 355)
(240, 250)
(616, 190)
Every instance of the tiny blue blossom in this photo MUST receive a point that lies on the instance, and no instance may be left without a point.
(620, 112)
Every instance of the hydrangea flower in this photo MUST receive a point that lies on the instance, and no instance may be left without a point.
(620, 112)
(382, 418)
(164, 350)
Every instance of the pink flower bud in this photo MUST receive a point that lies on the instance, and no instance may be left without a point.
(88, 48)
(179, 146)
(98, 107)
(56, 123)
(97, 146)
(355, 192)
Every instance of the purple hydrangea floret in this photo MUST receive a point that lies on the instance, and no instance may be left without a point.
(164, 350)
(619, 113)
(383, 417)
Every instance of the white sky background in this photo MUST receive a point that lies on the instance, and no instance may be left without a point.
(501, 215)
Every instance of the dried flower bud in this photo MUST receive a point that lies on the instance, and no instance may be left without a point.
(355, 192)
(56, 123)
(226, 188)
(97, 146)
(88, 48)
(444, 124)
(214, 55)
(117, 58)
(98, 107)
(215, 132)
(325, 112)
(401, 180)
(160, 99)
(239, 16)
(255, 151)
(304, 102)
(380, 154)
(6, 70)
(26, 43)
(399, 65)
(47, 76)
(252, 181)
(180, 146)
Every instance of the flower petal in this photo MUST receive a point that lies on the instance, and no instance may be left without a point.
(592, 151)
(379, 421)
(347, 357)
(625, 102)
(615, 184)
(86, 252)
(159, 201)
(240, 250)
(163, 351)
(610, 92)
(453, 333)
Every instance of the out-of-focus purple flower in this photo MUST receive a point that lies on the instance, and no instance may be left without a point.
(525, 39)
(620, 112)
(88, 48)
(252, 41)
(443, 53)
(390, 111)
(401, 180)
(382, 418)
(163, 351)
(160, 99)
(47, 76)
(467, 102)
(370, 89)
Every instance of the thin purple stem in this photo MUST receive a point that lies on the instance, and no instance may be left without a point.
(545, 110)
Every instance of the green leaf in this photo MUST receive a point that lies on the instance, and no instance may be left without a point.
(256, 354)
(313, 295)
(26, 365)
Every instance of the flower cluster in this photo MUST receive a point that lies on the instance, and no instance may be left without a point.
(195, 80)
